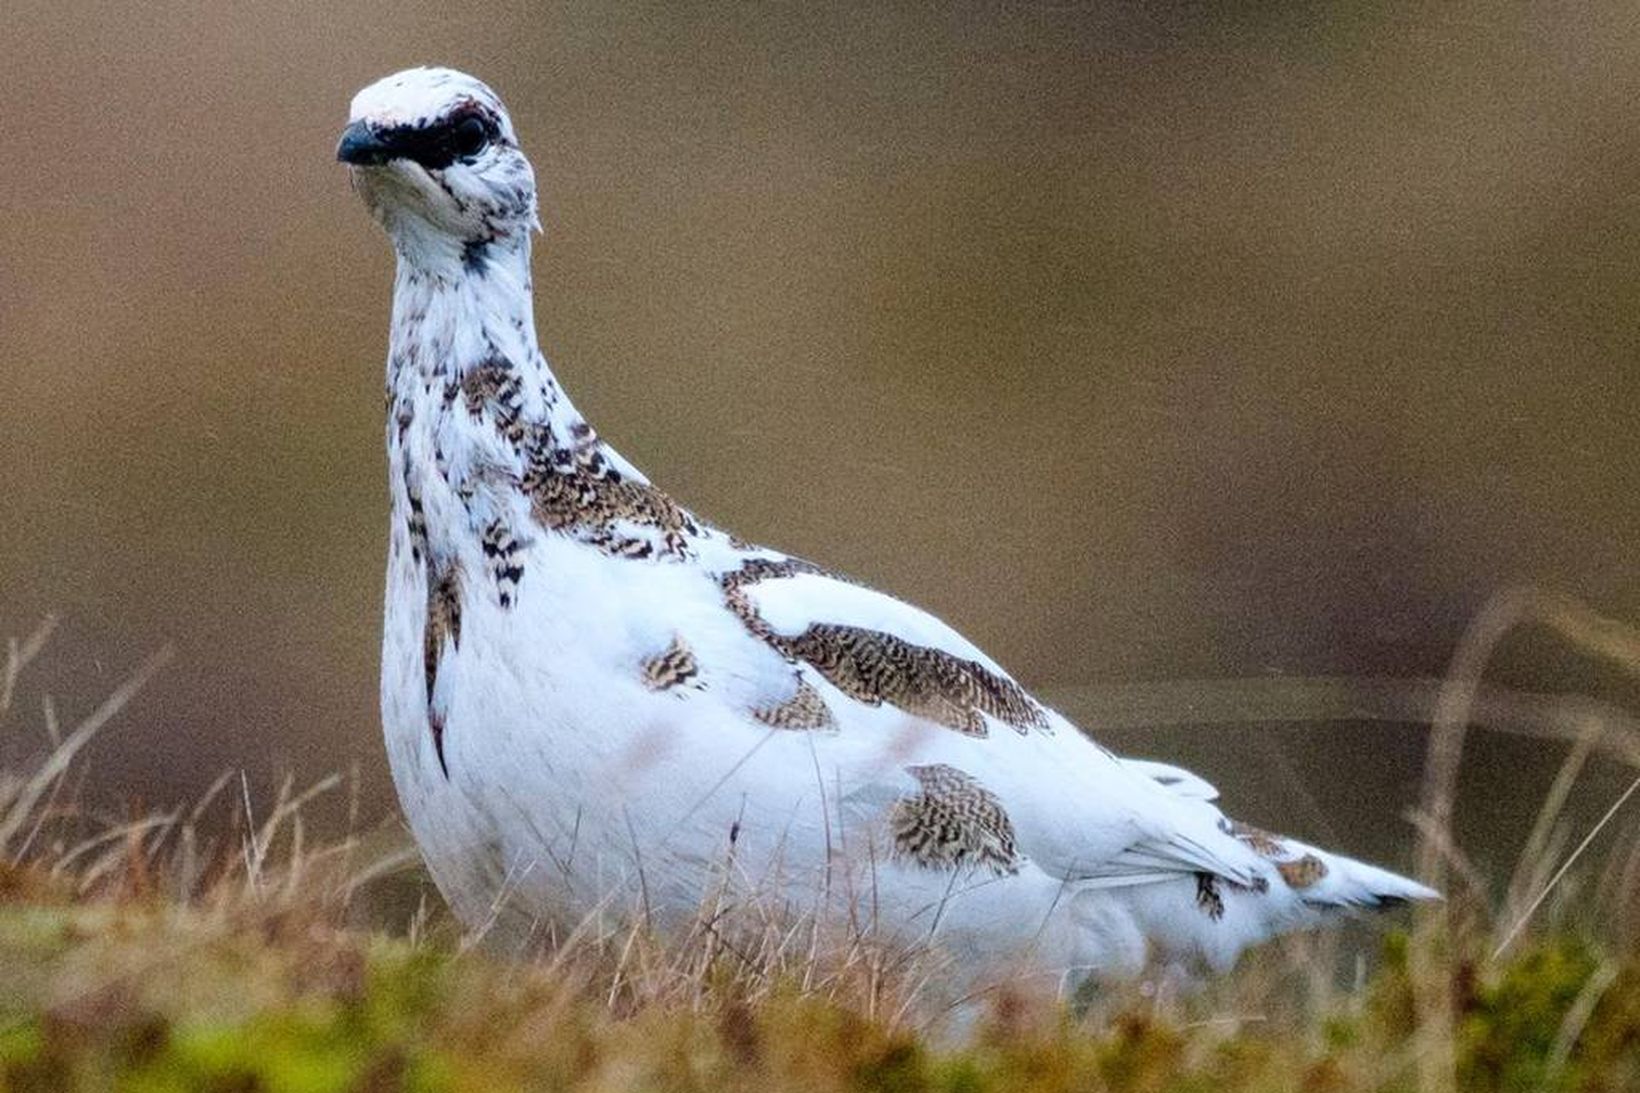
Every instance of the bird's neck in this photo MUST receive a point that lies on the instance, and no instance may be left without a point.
(463, 343)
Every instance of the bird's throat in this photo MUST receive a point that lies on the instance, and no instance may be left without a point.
(463, 353)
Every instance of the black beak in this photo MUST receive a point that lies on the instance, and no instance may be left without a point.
(361, 146)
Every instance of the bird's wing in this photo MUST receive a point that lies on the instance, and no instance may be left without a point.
(1080, 812)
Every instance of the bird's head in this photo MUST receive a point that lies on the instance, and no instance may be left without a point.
(434, 155)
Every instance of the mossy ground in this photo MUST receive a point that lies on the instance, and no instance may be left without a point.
(139, 993)
(140, 956)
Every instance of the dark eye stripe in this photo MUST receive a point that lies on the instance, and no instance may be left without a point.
(438, 145)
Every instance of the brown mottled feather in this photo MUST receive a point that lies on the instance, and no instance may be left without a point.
(1259, 841)
(953, 821)
(443, 625)
(588, 503)
(1299, 873)
(1208, 897)
(805, 709)
(876, 667)
(675, 666)
(502, 553)
(494, 385)
(1302, 873)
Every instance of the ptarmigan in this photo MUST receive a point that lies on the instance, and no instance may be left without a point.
(596, 702)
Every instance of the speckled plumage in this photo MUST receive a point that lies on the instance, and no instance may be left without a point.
(590, 693)
(674, 666)
(951, 822)
(806, 709)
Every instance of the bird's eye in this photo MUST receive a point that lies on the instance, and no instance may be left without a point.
(469, 136)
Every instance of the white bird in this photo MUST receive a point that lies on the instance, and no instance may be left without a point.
(596, 702)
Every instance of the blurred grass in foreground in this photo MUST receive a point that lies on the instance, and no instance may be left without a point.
(138, 954)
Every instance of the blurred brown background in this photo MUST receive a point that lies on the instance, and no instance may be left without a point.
(1168, 342)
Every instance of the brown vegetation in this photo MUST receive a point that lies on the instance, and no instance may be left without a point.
(145, 953)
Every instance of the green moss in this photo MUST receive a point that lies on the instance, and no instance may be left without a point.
(148, 999)
(20, 1044)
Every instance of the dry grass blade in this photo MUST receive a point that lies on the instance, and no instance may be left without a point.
(1567, 864)
(1505, 612)
(1577, 1019)
(762, 987)
(19, 655)
(1534, 863)
(20, 810)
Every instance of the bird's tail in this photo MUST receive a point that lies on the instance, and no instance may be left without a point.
(1325, 881)
(1320, 879)
(1347, 884)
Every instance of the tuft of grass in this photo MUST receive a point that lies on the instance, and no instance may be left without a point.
(1446, 933)
(147, 954)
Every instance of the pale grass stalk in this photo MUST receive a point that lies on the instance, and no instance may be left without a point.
(19, 811)
(48, 716)
(1315, 958)
(910, 996)
(19, 654)
(63, 864)
(287, 810)
(1577, 1018)
(43, 812)
(296, 872)
(417, 932)
(759, 945)
(1506, 611)
(389, 863)
(1567, 864)
(1453, 857)
(1533, 865)
(498, 906)
(261, 835)
(620, 965)
(1502, 614)
(1207, 704)
(250, 852)
(192, 858)
(118, 858)
(1622, 889)
(584, 934)
(1290, 777)
(212, 792)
